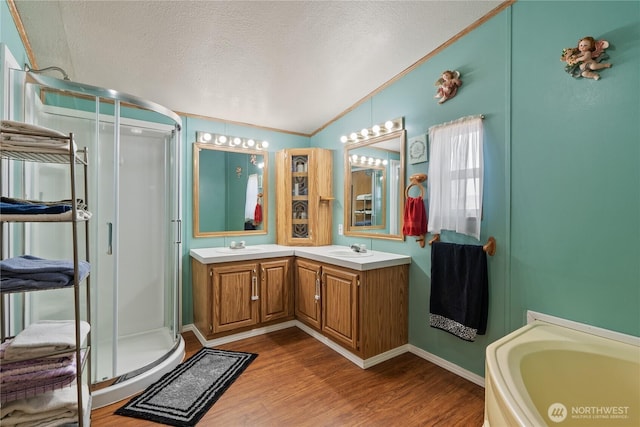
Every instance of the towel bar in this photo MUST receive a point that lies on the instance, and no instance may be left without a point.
(489, 247)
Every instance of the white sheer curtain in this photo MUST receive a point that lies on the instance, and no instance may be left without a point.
(394, 196)
(455, 176)
(252, 197)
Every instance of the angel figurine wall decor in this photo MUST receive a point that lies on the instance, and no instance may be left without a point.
(448, 85)
(587, 58)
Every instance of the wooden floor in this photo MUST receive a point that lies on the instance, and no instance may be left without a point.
(298, 381)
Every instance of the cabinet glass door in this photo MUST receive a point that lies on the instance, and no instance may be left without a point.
(300, 197)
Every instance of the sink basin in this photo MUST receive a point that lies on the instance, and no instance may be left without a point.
(348, 253)
(246, 249)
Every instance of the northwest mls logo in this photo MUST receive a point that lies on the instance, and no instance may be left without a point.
(557, 412)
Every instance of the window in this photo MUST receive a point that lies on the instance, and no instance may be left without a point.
(455, 176)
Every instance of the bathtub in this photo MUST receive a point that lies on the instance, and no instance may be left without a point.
(548, 375)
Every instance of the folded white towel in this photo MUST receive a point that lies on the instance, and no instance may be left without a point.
(45, 336)
(49, 409)
(41, 139)
(81, 215)
(27, 127)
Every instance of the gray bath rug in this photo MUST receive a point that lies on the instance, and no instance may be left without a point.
(182, 396)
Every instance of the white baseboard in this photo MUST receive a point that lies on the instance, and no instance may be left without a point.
(362, 363)
(240, 335)
(451, 367)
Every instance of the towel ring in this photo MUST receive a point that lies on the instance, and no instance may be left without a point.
(416, 179)
(406, 192)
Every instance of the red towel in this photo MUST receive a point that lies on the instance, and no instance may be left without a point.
(415, 217)
(257, 215)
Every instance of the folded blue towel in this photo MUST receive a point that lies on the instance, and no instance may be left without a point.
(12, 206)
(20, 285)
(29, 272)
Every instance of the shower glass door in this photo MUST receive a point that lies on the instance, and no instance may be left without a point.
(134, 230)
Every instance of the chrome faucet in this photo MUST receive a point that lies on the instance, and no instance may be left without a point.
(358, 248)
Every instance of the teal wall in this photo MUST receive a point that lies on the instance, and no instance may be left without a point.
(9, 34)
(575, 171)
(562, 174)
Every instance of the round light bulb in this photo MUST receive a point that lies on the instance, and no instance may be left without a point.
(251, 143)
(222, 139)
(376, 129)
(364, 133)
(353, 136)
(236, 141)
(265, 144)
(206, 137)
(385, 162)
(388, 125)
(343, 139)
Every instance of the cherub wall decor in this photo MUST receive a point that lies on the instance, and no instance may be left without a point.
(448, 85)
(587, 58)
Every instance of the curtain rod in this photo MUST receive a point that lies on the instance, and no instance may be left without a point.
(461, 119)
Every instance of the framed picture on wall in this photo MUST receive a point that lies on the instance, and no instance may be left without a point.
(417, 149)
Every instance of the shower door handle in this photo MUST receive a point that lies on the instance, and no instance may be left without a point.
(109, 238)
(179, 221)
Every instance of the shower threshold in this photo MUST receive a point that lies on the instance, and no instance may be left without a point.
(125, 385)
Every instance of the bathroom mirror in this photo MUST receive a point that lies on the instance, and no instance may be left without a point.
(228, 184)
(374, 187)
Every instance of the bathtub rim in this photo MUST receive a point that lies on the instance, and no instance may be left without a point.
(532, 316)
(499, 360)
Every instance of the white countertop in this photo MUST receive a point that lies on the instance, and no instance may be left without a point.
(337, 255)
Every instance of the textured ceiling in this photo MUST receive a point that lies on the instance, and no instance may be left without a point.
(289, 65)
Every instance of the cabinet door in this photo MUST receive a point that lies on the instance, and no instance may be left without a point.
(303, 196)
(340, 305)
(275, 290)
(235, 296)
(307, 292)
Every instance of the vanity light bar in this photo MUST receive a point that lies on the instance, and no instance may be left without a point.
(231, 141)
(370, 161)
(372, 132)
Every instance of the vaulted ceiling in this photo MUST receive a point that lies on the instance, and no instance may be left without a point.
(287, 65)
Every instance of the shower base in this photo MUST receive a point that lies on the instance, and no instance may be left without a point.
(142, 360)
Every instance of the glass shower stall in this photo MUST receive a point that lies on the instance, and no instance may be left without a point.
(135, 229)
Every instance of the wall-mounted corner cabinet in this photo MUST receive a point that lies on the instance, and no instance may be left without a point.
(303, 196)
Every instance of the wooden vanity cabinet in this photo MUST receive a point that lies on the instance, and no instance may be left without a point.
(235, 296)
(303, 196)
(365, 312)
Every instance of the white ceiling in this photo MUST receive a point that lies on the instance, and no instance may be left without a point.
(288, 65)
